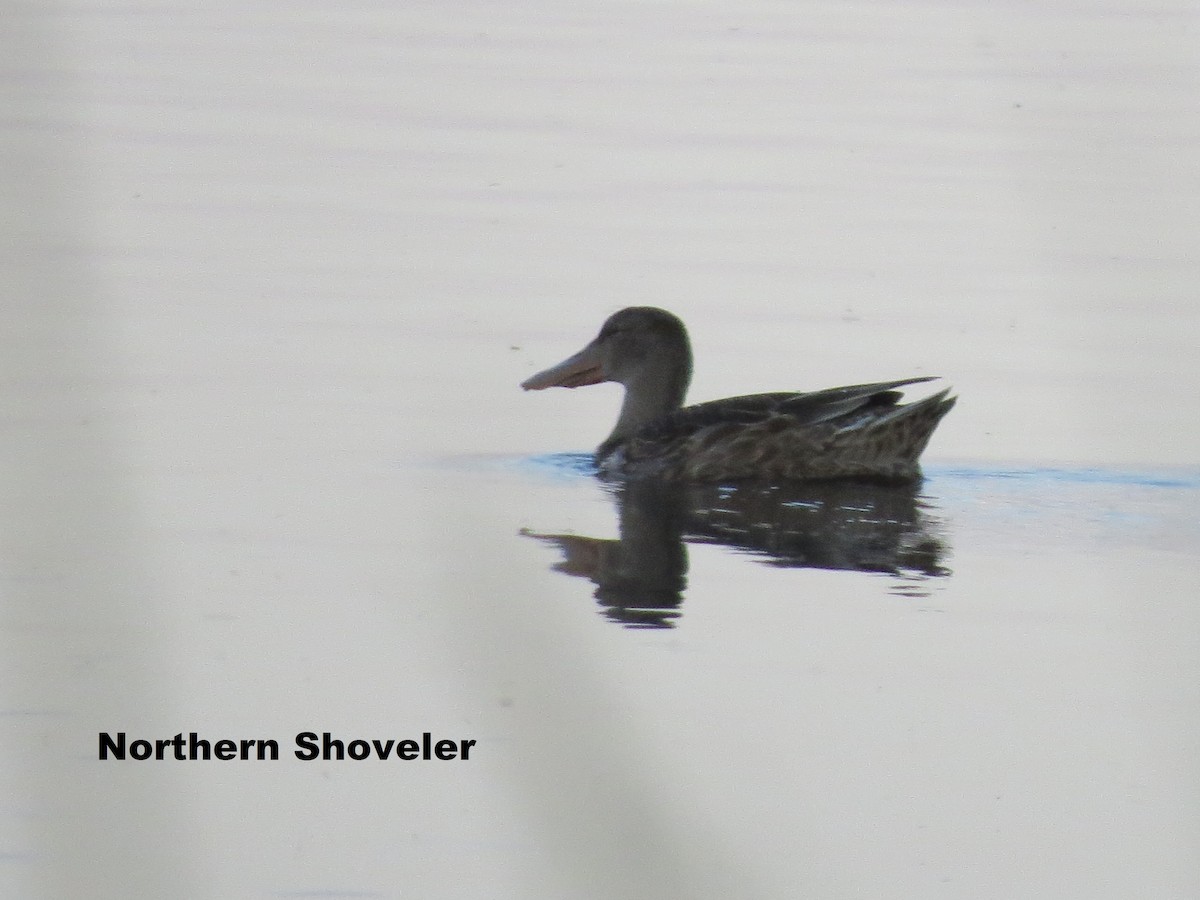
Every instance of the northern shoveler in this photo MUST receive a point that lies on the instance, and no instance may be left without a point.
(860, 431)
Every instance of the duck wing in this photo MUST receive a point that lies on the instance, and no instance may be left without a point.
(803, 408)
(780, 435)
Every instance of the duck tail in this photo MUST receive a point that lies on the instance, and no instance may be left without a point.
(911, 425)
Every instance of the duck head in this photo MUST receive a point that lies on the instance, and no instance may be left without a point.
(643, 348)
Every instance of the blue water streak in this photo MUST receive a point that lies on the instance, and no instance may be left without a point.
(1176, 479)
(561, 465)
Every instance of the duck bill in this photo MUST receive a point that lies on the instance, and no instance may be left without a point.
(580, 370)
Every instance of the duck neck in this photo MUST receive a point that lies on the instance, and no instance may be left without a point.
(649, 396)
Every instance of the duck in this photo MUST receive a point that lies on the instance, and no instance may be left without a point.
(860, 432)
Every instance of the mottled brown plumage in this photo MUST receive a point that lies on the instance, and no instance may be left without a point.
(861, 431)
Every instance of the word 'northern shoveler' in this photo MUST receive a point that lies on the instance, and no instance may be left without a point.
(860, 431)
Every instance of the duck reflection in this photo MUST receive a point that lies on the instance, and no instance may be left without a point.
(641, 576)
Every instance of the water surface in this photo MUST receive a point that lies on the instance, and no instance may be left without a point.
(273, 274)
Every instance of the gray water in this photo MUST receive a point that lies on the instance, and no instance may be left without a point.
(272, 275)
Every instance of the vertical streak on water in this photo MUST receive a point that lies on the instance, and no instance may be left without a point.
(580, 772)
(79, 610)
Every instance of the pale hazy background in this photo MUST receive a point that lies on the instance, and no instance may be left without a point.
(271, 274)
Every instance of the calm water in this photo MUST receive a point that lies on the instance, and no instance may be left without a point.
(272, 277)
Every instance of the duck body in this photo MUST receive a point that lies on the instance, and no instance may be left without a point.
(858, 432)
